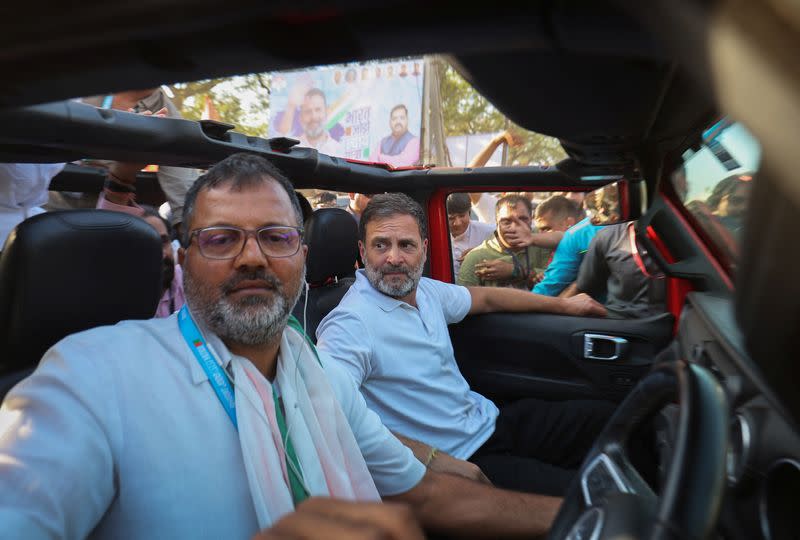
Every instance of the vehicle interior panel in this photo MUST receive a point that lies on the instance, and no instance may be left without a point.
(510, 356)
(69, 131)
(331, 235)
(766, 308)
(764, 451)
(687, 253)
(41, 265)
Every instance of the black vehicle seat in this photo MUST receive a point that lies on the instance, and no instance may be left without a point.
(67, 271)
(332, 239)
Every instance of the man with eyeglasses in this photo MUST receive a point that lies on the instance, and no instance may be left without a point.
(222, 419)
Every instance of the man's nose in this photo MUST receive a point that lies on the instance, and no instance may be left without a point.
(251, 254)
(394, 255)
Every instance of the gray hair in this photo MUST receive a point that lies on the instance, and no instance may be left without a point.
(240, 171)
(386, 205)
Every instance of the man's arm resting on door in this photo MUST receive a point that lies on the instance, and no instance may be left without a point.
(493, 299)
(455, 506)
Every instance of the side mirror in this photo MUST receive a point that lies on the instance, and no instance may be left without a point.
(617, 202)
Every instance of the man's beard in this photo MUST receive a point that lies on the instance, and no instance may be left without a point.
(314, 130)
(253, 320)
(376, 275)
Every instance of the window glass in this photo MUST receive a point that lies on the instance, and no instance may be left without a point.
(715, 182)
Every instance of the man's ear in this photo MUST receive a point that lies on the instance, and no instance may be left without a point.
(362, 251)
(181, 255)
(570, 221)
(305, 252)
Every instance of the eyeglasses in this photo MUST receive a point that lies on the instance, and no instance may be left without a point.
(228, 242)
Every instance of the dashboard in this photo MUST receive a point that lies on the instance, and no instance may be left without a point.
(763, 458)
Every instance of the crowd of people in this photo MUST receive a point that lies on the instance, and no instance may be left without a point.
(218, 417)
(539, 242)
(552, 245)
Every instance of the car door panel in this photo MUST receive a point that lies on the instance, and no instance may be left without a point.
(511, 356)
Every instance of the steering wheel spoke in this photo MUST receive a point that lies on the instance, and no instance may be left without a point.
(610, 499)
(609, 473)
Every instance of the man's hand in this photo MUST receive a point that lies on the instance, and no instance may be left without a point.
(331, 519)
(298, 91)
(512, 138)
(464, 254)
(445, 463)
(441, 462)
(535, 278)
(161, 113)
(494, 270)
(520, 236)
(571, 290)
(125, 172)
(582, 305)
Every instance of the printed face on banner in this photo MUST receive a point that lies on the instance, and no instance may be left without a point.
(370, 112)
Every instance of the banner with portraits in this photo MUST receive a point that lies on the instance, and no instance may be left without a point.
(369, 112)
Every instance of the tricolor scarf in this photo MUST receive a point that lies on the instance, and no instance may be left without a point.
(331, 463)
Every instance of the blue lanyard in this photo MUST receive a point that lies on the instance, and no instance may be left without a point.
(194, 339)
(222, 387)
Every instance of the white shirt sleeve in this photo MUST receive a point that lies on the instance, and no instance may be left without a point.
(485, 208)
(57, 430)
(346, 339)
(483, 231)
(393, 467)
(455, 300)
(175, 182)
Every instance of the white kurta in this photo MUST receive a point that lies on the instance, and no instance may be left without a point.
(23, 189)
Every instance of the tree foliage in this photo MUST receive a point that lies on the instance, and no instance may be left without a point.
(242, 101)
(466, 112)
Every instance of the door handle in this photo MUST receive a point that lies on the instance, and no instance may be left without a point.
(602, 347)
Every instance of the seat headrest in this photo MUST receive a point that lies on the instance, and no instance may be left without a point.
(332, 239)
(67, 271)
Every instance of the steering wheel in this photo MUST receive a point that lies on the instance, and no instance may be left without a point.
(609, 499)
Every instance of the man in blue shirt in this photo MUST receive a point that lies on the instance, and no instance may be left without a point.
(560, 214)
(389, 333)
